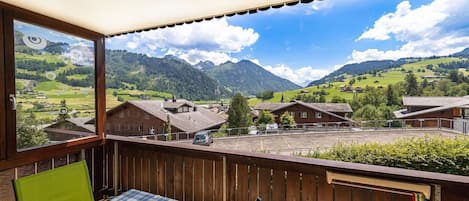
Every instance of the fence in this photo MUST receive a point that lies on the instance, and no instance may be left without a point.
(457, 125)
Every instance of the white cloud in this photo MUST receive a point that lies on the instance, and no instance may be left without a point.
(301, 76)
(195, 56)
(212, 40)
(214, 35)
(438, 28)
(132, 45)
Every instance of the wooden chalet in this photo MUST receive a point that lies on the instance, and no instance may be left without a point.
(309, 113)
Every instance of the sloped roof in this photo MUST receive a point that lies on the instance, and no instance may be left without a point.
(330, 107)
(83, 122)
(462, 103)
(429, 100)
(334, 107)
(191, 121)
(111, 17)
(319, 107)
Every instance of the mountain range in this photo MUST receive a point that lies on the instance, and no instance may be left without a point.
(203, 81)
(375, 66)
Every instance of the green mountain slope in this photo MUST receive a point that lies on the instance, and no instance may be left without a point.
(376, 78)
(160, 74)
(248, 78)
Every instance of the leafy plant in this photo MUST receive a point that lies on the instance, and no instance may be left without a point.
(434, 154)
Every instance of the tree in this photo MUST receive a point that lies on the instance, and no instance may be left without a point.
(338, 99)
(27, 131)
(168, 128)
(322, 98)
(367, 112)
(454, 76)
(287, 120)
(411, 85)
(265, 117)
(268, 94)
(238, 114)
(351, 82)
(63, 111)
(391, 96)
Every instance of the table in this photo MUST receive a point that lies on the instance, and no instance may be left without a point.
(136, 195)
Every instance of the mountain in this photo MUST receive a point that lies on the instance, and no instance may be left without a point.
(165, 74)
(464, 53)
(204, 65)
(248, 78)
(361, 68)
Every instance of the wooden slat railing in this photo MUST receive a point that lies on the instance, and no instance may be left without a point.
(189, 172)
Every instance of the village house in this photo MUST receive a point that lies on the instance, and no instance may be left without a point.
(148, 117)
(421, 108)
(305, 113)
(140, 118)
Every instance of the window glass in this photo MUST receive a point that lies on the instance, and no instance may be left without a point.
(304, 115)
(318, 115)
(55, 89)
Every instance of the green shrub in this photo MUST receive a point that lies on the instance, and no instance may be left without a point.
(434, 154)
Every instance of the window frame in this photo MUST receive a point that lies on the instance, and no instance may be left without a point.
(304, 115)
(318, 115)
(8, 152)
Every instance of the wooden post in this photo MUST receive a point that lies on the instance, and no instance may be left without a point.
(115, 171)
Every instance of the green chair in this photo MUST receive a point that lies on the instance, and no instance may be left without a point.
(67, 183)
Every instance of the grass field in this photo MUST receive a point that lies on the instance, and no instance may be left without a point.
(390, 76)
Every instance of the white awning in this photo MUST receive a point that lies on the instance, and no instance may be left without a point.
(111, 17)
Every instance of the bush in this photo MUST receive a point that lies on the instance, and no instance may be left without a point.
(434, 154)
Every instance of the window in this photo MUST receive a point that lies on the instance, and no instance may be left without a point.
(318, 115)
(304, 115)
(292, 114)
(54, 82)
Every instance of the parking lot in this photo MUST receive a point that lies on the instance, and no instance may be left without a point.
(287, 144)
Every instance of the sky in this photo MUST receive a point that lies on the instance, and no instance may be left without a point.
(306, 42)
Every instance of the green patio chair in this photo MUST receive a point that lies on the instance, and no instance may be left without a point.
(67, 183)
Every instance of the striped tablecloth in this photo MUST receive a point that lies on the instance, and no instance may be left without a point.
(136, 195)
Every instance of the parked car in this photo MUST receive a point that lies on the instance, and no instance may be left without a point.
(203, 138)
(271, 128)
(253, 130)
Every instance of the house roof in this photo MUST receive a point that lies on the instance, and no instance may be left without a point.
(83, 122)
(330, 107)
(327, 108)
(191, 121)
(111, 17)
(463, 103)
(430, 100)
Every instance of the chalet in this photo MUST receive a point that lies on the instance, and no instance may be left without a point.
(147, 117)
(305, 113)
(74, 127)
(433, 107)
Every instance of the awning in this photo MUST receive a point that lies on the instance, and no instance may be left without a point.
(114, 17)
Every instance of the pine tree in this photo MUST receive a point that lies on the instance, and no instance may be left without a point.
(391, 96)
(411, 85)
(63, 111)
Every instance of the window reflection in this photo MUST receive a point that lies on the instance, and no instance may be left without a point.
(55, 90)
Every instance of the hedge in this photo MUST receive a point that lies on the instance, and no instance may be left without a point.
(434, 154)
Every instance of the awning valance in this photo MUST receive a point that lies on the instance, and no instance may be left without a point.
(114, 17)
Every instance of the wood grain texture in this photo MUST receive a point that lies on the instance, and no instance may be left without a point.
(279, 185)
(293, 186)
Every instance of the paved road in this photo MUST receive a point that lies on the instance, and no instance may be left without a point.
(288, 144)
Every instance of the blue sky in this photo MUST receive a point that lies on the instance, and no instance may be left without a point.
(305, 42)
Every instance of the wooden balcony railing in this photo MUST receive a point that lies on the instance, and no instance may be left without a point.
(189, 172)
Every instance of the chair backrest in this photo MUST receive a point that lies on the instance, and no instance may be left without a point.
(66, 183)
